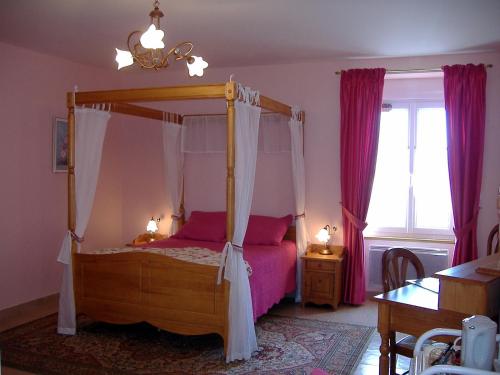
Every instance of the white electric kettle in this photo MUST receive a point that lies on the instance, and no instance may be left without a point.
(478, 342)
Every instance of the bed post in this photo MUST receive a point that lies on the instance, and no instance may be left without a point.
(71, 167)
(230, 97)
(182, 220)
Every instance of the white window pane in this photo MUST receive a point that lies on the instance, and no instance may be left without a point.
(431, 187)
(389, 199)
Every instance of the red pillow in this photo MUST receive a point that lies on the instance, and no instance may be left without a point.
(204, 226)
(266, 230)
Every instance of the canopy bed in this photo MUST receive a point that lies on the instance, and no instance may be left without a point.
(159, 285)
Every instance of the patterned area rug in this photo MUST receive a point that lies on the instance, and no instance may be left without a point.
(287, 346)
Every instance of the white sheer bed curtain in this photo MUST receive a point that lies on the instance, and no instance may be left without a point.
(242, 341)
(299, 188)
(90, 125)
(207, 134)
(174, 170)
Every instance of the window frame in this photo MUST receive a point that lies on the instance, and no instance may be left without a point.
(410, 230)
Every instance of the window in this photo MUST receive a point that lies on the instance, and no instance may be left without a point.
(411, 190)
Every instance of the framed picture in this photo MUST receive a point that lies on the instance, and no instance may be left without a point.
(60, 145)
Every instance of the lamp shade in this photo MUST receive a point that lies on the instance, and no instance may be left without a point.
(123, 58)
(323, 235)
(152, 38)
(196, 67)
(152, 227)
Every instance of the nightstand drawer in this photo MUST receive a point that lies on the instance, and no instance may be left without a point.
(321, 284)
(318, 265)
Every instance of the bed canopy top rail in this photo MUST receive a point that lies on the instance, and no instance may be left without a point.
(145, 112)
(155, 114)
(154, 94)
(122, 97)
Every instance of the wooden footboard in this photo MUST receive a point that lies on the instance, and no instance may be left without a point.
(170, 294)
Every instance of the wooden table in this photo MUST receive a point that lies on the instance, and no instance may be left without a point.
(412, 310)
(472, 288)
(462, 292)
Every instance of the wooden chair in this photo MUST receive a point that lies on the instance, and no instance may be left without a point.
(493, 241)
(395, 263)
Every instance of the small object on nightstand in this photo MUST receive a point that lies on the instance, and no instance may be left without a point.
(145, 238)
(322, 275)
(324, 235)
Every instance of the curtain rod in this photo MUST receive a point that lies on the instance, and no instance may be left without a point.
(401, 71)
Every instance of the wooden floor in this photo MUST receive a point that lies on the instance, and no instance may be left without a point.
(362, 315)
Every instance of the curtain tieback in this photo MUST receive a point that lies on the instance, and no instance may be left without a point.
(176, 217)
(460, 232)
(303, 214)
(240, 250)
(223, 259)
(359, 224)
(237, 248)
(75, 237)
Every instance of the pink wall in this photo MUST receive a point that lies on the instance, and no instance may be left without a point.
(32, 197)
(131, 187)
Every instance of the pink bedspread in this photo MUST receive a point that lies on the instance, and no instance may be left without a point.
(273, 269)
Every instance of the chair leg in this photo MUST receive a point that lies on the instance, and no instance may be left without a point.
(393, 355)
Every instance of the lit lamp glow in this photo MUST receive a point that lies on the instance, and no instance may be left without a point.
(123, 58)
(152, 227)
(196, 66)
(152, 38)
(324, 235)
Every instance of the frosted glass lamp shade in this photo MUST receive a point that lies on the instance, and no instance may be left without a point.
(123, 58)
(152, 227)
(323, 235)
(196, 66)
(152, 38)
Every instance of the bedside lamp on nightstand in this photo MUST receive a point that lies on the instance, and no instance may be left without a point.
(152, 230)
(150, 235)
(152, 227)
(324, 236)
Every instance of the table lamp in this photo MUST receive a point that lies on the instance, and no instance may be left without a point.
(324, 235)
(152, 228)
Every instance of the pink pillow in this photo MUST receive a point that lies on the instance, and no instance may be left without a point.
(204, 226)
(266, 230)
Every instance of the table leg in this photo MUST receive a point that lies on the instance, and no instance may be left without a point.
(384, 314)
(392, 353)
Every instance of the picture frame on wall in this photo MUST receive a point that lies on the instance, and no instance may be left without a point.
(60, 145)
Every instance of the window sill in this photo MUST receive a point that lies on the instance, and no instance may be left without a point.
(410, 239)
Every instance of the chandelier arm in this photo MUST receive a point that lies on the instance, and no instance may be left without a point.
(179, 53)
(156, 58)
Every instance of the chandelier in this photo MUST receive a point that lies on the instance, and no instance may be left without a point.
(148, 50)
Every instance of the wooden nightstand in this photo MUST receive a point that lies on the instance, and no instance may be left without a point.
(322, 276)
(145, 238)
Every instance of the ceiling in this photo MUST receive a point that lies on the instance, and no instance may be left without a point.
(250, 32)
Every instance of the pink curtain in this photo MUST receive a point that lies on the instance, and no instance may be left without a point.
(464, 95)
(360, 107)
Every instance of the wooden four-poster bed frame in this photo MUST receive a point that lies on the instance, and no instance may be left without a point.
(174, 295)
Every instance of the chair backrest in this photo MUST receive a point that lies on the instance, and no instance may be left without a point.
(493, 241)
(395, 266)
